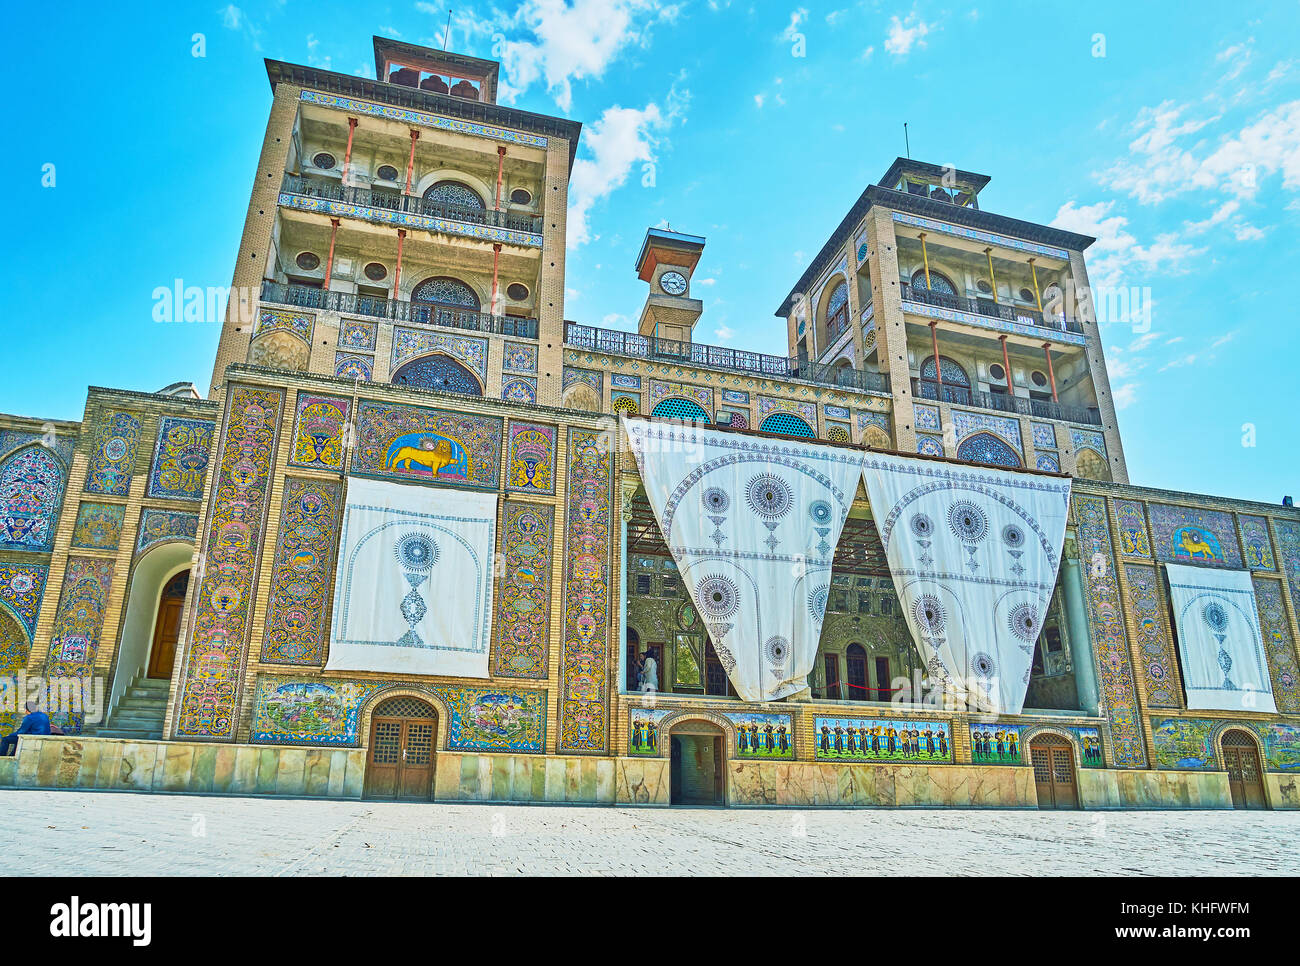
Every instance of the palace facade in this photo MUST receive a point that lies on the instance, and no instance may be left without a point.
(176, 568)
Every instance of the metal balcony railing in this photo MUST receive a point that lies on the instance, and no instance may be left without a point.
(392, 200)
(720, 357)
(991, 309)
(1004, 403)
(399, 310)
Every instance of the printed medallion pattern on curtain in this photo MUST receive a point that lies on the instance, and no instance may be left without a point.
(584, 714)
(113, 457)
(300, 578)
(31, 493)
(318, 432)
(1106, 626)
(159, 525)
(530, 462)
(180, 459)
(209, 702)
(1159, 665)
(524, 605)
(414, 443)
(98, 526)
(1278, 645)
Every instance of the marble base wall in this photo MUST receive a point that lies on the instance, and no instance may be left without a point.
(801, 784)
(533, 778)
(1114, 788)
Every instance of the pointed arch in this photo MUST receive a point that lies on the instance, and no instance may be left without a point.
(1091, 465)
(988, 448)
(440, 372)
(789, 424)
(32, 481)
(676, 407)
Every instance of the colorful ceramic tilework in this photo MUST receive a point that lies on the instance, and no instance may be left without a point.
(296, 631)
(836, 412)
(318, 429)
(31, 493)
(113, 456)
(1048, 464)
(988, 448)
(1106, 629)
(1184, 744)
(881, 739)
(1288, 548)
(180, 459)
(927, 417)
(485, 719)
(1090, 751)
(1082, 439)
(310, 712)
(61, 446)
(524, 591)
(469, 352)
(1044, 436)
(585, 376)
(1281, 745)
(530, 460)
(1182, 534)
(355, 334)
(79, 620)
(929, 445)
(644, 731)
(626, 402)
(407, 219)
(159, 526)
(415, 443)
(209, 700)
(762, 737)
(518, 357)
(1278, 645)
(1255, 543)
(348, 365)
(995, 744)
(295, 323)
(1157, 660)
(98, 526)
(1004, 427)
(805, 410)
(522, 389)
(735, 396)
(21, 589)
(1133, 540)
(584, 672)
(422, 119)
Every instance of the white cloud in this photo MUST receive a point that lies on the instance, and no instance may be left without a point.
(231, 16)
(758, 101)
(1125, 395)
(797, 17)
(724, 333)
(1116, 260)
(903, 35)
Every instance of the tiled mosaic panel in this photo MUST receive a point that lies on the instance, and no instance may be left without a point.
(113, 456)
(524, 591)
(1190, 743)
(180, 459)
(1288, 548)
(1189, 535)
(495, 719)
(1005, 427)
(61, 446)
(79, 626)
(98, 526)
(21, 589)
(520, 389)
(645, 732)
(1256, 546)
(530, 459)
(415, 443)
(1090, 748)
(881, 739)
(31, 494)
(159, 526)
(350, 365)
(584, 671)
(996, 744)
(355, 334)
(518, 357)
(1133, 539)
(295, 323)
(214, 660)
(469, 352)
(1106, 628)
(1044, 436)
(296, 629)
(318, 428)
(762, 736)
(1158, 662)
(1278, 645)
(927, 418)
(1047, 463)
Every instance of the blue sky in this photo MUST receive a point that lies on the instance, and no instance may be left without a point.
(1169, 131)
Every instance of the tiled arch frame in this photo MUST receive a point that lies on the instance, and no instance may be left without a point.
(64, 470)
(1223, 728)
(448, 363)
(1037, 731)
(403, 691)
(998, 440)
(693, 714)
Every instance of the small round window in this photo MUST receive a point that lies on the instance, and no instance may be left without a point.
(521, 196)
(997, 372)
(1026, 295)
(325, 161)
(387, 172)
(375, 272)
(308, 261)
(984, 286)
(1038, 378)
(517, 291)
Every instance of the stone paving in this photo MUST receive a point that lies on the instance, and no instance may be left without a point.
(104, 833)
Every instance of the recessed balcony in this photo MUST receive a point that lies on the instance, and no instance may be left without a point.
(923, 389)
(1017, 315)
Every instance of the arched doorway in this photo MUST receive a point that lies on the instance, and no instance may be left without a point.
(697, 764)
(956, 383)
(1245, 776)
(855, 660)
(438, 372)
(167, 626)
(403, 741)
(1053, 761)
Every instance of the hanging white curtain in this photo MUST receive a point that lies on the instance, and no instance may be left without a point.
(413, 591)
(1224, 665)
(974, 554)
(752, 524)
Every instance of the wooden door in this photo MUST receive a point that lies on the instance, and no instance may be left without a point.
(167, 627)
(1053, 762)
(1245, 780)
(402, 756)
(855, 660)
(696, 770)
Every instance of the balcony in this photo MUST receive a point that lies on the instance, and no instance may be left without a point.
(399, 310)
(637, 346)
(1017, 315)
(393, 207)
(1003, 403)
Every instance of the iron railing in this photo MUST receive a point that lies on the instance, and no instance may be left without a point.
(1004, 403)
(392, 200)
(721, 357)
(399, 310)
(990, 309)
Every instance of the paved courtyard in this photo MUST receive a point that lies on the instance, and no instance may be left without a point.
(99, 833)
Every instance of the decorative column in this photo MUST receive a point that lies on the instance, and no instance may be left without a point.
(347, 157)
(1006, 363)
(934, 341)
(410, 164)
(1051, 373)
(1038, 297)
(993, 278)
(1085, 669)
(625, 517)
(496, 260)
(501, 164)
(397, 270)
(925, 260)
(329, 259)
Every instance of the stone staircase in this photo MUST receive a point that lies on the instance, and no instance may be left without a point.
(139, 714)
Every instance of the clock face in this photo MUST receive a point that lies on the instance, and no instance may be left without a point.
(674, 283)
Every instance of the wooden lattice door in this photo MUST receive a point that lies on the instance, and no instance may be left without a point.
(401, 760)
(167, 627)
(1053, 762)
(1245, 779)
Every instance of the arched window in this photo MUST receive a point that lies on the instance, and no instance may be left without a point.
(789, 424)
(458, 198)
(855, 660)
(956, 384)
(454, 304)
(31, 490)
(940, 284)
(837, 311)
(438, 372)
(683, 409)
(987, 448)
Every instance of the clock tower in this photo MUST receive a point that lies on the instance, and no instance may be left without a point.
(666, 261)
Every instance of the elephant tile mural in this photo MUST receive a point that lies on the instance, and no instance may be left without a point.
(995, 744)
(415, 443)
(762, 736)
(882, 739)
(180, 460)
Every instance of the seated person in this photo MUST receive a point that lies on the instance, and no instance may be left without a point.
(34, 723)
